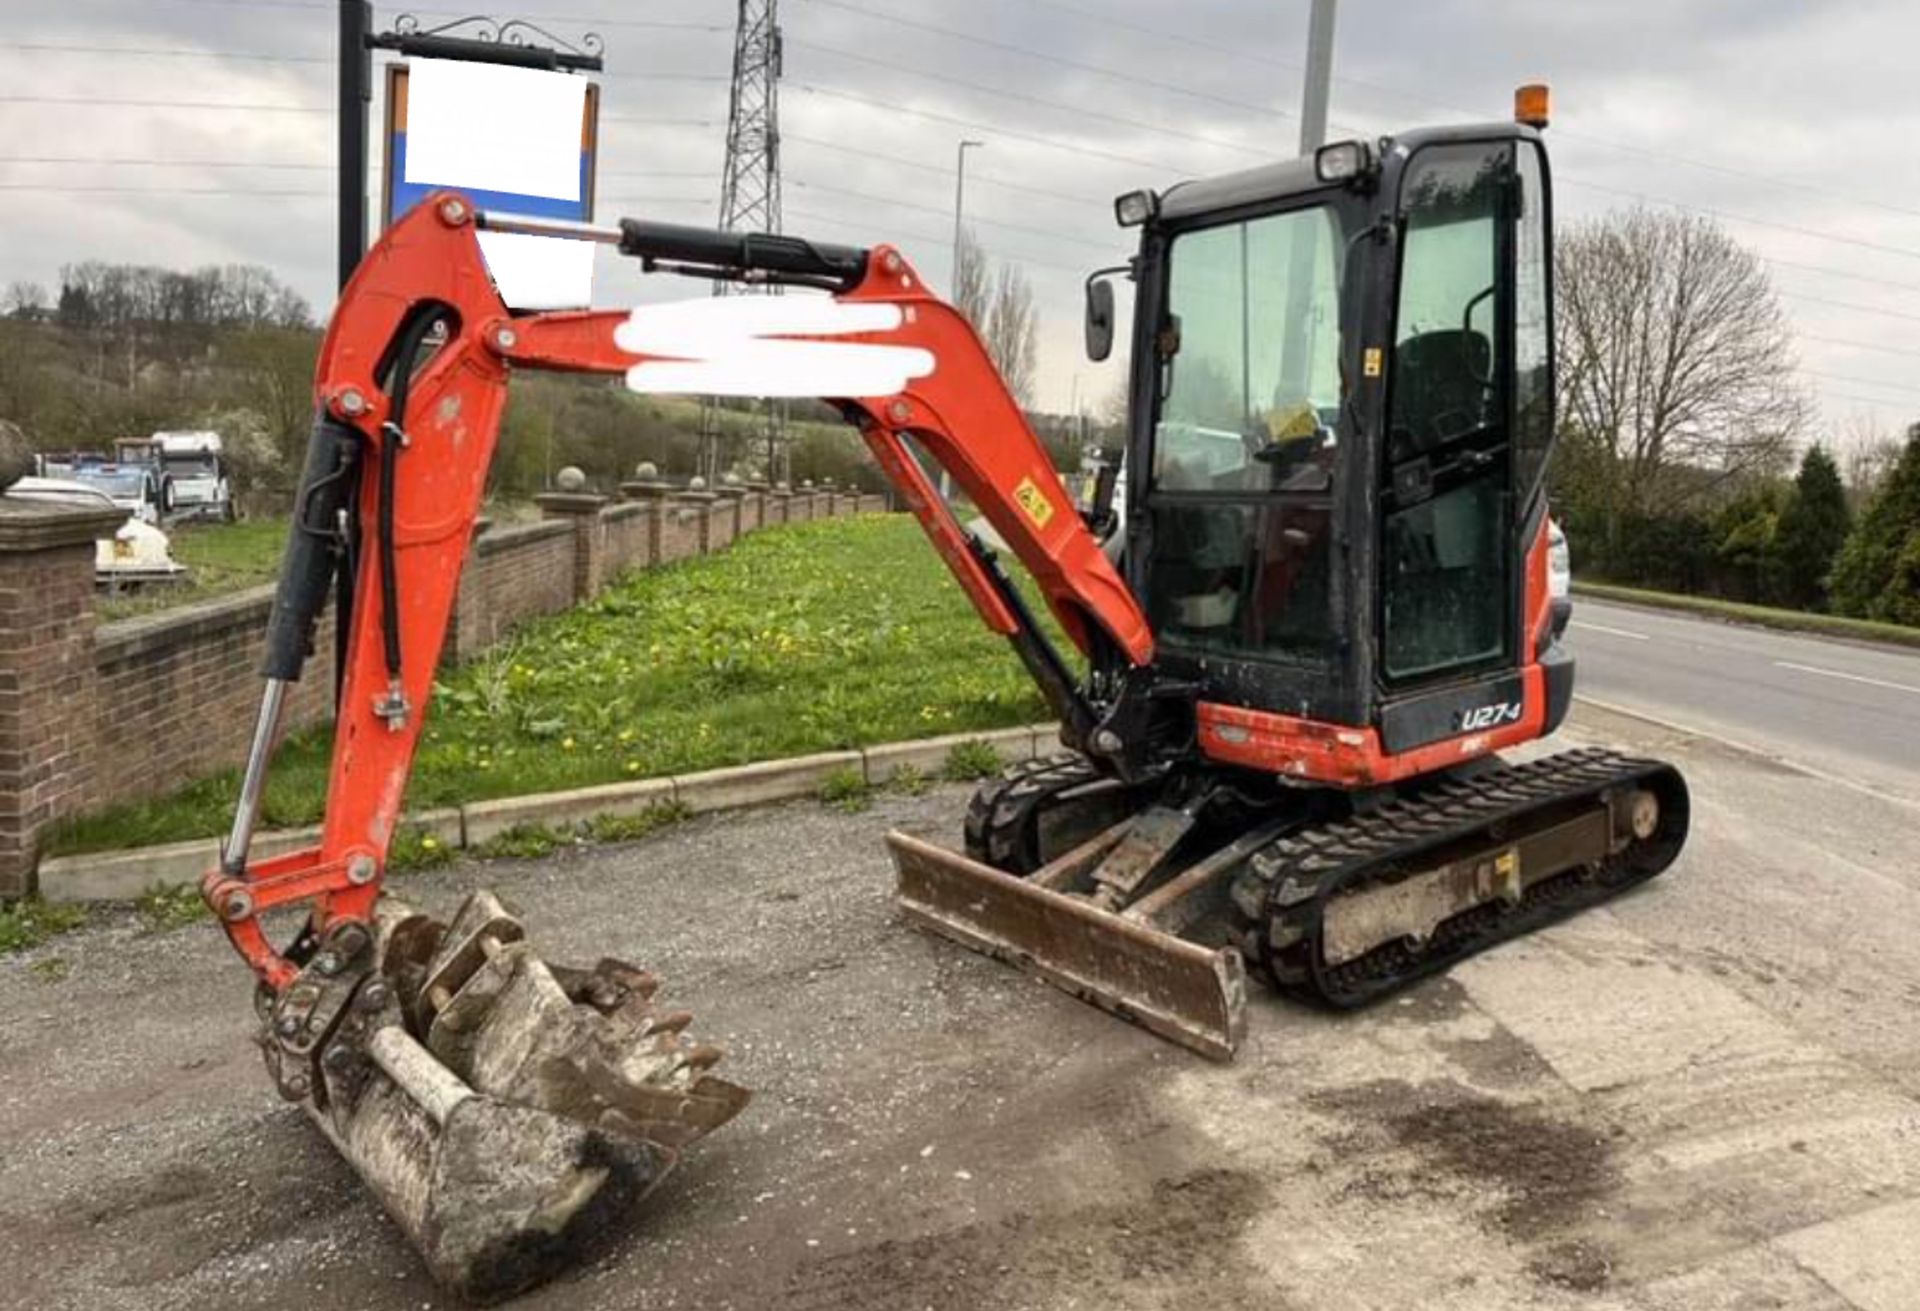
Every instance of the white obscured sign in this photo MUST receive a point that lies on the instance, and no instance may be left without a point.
(517, 141)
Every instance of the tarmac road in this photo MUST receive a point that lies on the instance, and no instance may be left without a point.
(1705, 1097)
(1848, 708)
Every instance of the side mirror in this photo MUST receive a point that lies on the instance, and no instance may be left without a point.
(1099, 318)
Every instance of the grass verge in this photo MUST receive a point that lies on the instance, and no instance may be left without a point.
(818, 636)
(1793, 621)
(30, 921)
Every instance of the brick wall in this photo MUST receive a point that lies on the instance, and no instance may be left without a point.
(95, 714)
(174, 693)
(512, 575)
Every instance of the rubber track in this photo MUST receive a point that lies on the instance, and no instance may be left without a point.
(1292, 881)
(1002, 817)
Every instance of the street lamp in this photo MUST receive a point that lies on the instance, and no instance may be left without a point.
(959, 205)
(959, 201)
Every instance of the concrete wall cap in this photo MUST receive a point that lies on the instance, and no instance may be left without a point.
(35, 525)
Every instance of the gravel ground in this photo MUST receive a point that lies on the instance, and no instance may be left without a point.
(1706, 1097)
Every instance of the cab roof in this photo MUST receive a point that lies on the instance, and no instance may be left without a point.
(1293, 177)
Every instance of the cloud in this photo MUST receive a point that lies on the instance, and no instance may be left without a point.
(1778, 115)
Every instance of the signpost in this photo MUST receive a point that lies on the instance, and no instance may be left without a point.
(498, 147)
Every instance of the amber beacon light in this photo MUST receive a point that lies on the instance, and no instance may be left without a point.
(1530, 104)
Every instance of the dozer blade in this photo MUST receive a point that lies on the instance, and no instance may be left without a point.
(504, 1111)
(1189, 993)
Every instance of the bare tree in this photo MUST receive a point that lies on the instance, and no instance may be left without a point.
(1676, 363)
(24, 300)
(972, 281)
(1871, 451)
(998, 300)
(1013, 332)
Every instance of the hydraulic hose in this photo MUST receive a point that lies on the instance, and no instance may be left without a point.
(406, 356)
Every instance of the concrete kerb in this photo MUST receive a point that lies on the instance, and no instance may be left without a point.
(929, 755)
(486, 820)
(125, 875)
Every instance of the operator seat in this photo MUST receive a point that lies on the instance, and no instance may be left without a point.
(1439, 389)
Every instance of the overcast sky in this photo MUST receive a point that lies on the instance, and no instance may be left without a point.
(1795, 121)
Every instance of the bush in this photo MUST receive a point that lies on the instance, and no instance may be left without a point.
(1878, 573)
(1812, 529)
(972, 760)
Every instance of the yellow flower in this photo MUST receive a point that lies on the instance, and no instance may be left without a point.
(429, 843)
(567, 744)
(633, 767)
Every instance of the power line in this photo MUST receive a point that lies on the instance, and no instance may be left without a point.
(1102, 70)
(1072, 147)
(945, 171)
(1860, 382)
(1847, 305)
(160, 191)
(1841, 273)
(97, 102)
(1052, 234)
(1108, 20)
(1138, 125)
(1857, 345)
(145, 53)
(1726, 216)
(127, 162)
(939, 239)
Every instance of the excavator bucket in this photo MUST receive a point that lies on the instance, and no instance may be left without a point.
(504, 1110)
(1130, 962)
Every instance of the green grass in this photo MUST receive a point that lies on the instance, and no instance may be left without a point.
(846, 790)
(164, 907)
(813, 637)
(1797, 621)
(221, 558)
(31, 921)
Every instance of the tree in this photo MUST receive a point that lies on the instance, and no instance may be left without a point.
(1878, 573)
(24, 300)
(1747, 533)
(1013, 333)
(972, 281)
(1676, 365)
(999, 303)
(1812, 529)
(1871, 453)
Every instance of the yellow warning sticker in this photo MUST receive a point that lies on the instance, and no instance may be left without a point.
(1034, 502)
(1370, 365)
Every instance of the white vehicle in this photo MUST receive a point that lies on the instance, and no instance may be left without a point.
(194, 474)
(132, 487)
(1559, 577)
(137, 552)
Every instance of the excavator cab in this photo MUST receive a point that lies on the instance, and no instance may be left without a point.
(1341, 412)
(1340, 418)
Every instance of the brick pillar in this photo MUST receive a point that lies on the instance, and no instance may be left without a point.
(759, 510)
(780, 509)
(654, 493)
(582, 510)
(701, 504)
(826, 486)
(732, 504)
(46, 672)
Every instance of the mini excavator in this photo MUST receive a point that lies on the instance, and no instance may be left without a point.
(1294, 664)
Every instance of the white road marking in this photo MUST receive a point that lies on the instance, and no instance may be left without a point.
(1851, 678)
(1602, 628)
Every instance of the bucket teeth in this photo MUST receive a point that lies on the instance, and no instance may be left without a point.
(505, 1109)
